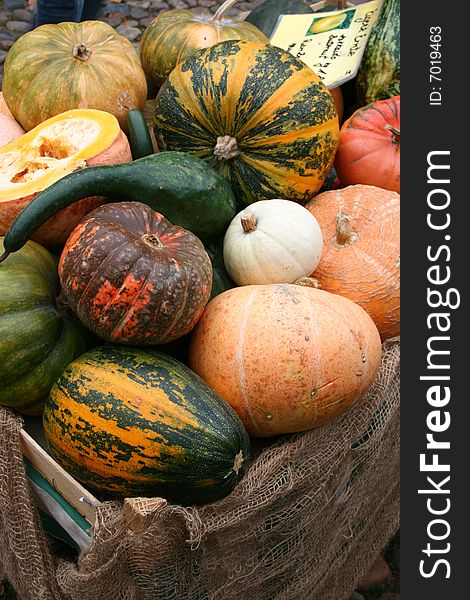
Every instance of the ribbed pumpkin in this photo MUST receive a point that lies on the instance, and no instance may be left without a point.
(369, 146)
(131, 423)
(132, 277)
(256, 113)
(36, 341)
(361, 256)
(287, 358)
(176, 34)
(9, 129)
(55, 68)
(67, 142)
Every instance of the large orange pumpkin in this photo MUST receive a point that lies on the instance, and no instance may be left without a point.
(254, 112)
(361, 253)
(55, 68)
(369, 146)
(60, 145)
(287, 358)
(176, 34)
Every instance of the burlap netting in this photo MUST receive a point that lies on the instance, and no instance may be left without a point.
(305, 523)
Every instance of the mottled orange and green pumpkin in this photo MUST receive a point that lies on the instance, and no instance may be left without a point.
(256, 113)
(55, 68)
(128, 422)
(134, 278)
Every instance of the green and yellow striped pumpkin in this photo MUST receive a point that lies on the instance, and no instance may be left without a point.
(128, 422)
(256, 113)
(55, 68)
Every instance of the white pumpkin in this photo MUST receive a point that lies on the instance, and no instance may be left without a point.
(272, 241)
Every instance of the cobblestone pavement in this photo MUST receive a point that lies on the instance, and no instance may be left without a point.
(129, 18)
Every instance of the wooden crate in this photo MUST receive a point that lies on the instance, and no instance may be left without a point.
(56, 493)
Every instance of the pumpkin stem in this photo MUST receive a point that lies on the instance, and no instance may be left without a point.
(5, 255)
(307, 282)
(226, 147)
(239, 459)
(226, 6)
(395, 133)
(152, 240)
(344, 234)
(81, 52)
(249, 222)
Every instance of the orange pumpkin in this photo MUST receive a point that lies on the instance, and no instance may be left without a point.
(9, 129)
(287, 358)
(361, 253)
(369, 146)
(176, 34)
(62, 144)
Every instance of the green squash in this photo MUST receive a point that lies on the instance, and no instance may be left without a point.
(379, 74)
(36, 341)
(128, 422)
(183, 188)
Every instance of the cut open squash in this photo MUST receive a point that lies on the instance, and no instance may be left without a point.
(65, 143)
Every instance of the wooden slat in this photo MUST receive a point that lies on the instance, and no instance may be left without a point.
(75, 494)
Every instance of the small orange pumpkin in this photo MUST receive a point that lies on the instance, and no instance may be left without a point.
(361, 253)
(285, 357)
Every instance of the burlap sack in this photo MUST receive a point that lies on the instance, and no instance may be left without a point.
(305, 523)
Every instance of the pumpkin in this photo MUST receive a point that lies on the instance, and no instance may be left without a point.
(272, 136)
(272, 241)
(36, 341)
(286, 357)
(128, 422)
(176, 34)
(369, 146)
(132, 277)
(62, 144)
(361, 256)
(55, 68)
(9, 129)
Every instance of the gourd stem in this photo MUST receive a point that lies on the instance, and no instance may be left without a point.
(249, 222)
(344, 233)
(4, 256)
(395, 133)
(226, 147)
(226, 6)
(81, 52)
